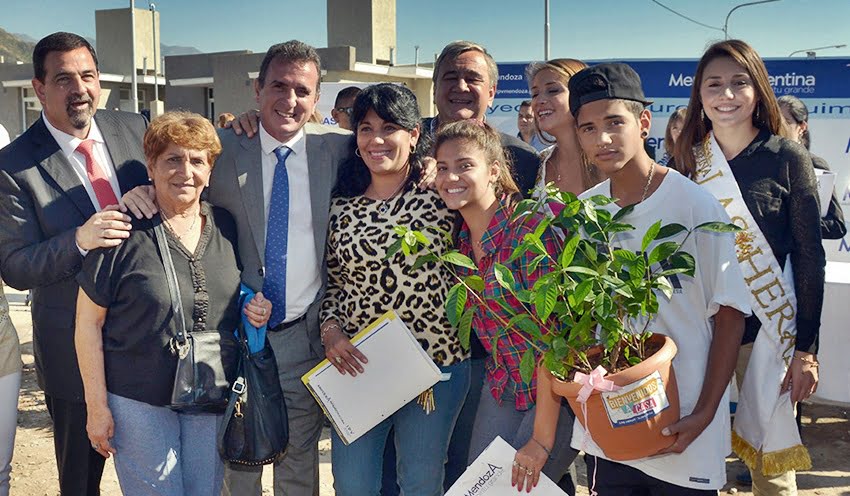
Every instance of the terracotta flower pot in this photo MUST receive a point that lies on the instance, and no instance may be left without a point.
(626, 424)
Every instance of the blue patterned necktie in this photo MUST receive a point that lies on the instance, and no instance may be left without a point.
(277, 229)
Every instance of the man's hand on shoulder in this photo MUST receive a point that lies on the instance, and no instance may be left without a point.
(140, 201)
(247, 122)
(104, 229)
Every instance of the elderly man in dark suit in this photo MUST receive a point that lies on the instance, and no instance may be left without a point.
(59, 187)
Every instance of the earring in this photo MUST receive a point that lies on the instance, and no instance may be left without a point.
(702, 113)
(357, 152)
(757, 112)
(412, 148)
(643, 134)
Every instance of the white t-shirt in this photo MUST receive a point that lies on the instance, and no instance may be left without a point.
(687, 318)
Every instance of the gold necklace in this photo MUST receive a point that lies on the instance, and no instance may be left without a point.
(187, 231)
(648, 182)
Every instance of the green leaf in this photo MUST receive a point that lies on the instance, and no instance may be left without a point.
(456, 258)
(590, 211)
(622, 213)
(617, 227)
(650, 235)
(544, 301)
(532, 266)
(421, 238)
(527, 325)
(662, 252)
(559, 347)
(569, 251)
(455, 303)
(464, 328)
(625, 256)
(400, 230)
(721, 227)
(410, 239)
(601, 200)
(638, 269)
(424, 259)
(526, 366)
(581, 292)
(504, 277)
(664, 285)
(476, 283)
(670, 230)
(581, 270)
(683, 262)
(393, 249)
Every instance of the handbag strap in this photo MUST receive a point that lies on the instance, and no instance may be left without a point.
(171, 278)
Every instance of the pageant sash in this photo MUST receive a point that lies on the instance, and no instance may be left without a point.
(765, 430)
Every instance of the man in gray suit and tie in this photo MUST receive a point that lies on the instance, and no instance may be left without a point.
(290, 165)
(59, 185)
(277, 185)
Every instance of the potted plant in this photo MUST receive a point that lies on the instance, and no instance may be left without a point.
(590, 317)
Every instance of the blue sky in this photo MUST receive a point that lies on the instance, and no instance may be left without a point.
(511, 30)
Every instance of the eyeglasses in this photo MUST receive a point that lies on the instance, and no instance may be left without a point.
(345, 110)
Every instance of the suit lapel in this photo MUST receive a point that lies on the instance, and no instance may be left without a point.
(119, 150)
(59, 168)
(318, 159)
(249, 174)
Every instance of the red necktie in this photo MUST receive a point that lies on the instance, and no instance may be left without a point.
(99, 182)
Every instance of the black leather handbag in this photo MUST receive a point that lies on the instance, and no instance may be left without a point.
(206, 361)
(255, 428)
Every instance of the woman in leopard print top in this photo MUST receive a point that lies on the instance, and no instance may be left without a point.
(375, 192)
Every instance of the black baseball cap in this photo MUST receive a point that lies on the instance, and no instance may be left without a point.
(609, 81)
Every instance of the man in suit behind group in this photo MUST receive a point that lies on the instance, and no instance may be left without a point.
(59, 185)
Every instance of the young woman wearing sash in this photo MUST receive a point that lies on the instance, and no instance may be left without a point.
(730, 144)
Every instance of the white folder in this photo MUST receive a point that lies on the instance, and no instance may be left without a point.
(397, 372)
(490, 475)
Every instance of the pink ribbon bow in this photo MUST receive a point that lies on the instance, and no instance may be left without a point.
(595, 380)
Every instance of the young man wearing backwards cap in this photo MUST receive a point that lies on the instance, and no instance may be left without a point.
(704, 316)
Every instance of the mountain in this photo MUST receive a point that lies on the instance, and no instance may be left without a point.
(17, 46)
(167, 50)
(14, 48)
(25, 37)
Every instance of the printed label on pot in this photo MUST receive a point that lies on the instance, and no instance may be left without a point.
(636, 402)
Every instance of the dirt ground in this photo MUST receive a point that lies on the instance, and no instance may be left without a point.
(826, 431)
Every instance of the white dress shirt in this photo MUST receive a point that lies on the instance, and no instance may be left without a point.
(303, 276)
(68, 144)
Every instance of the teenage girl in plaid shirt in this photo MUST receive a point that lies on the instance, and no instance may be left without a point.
(473, 177)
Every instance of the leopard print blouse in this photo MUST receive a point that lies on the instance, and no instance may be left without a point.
(362, 286)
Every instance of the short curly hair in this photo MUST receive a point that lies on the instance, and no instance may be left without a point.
(186, 129)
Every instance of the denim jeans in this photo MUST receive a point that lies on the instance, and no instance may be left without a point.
(421, 441)
(161, 452)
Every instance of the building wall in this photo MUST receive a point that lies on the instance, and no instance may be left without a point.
(383, 30)
(420, 87)
(349, 24)
(234, 90)
(114, 44)
(10, 98)
(10, 111)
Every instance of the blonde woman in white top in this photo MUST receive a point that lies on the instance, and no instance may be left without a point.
(563, 163)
